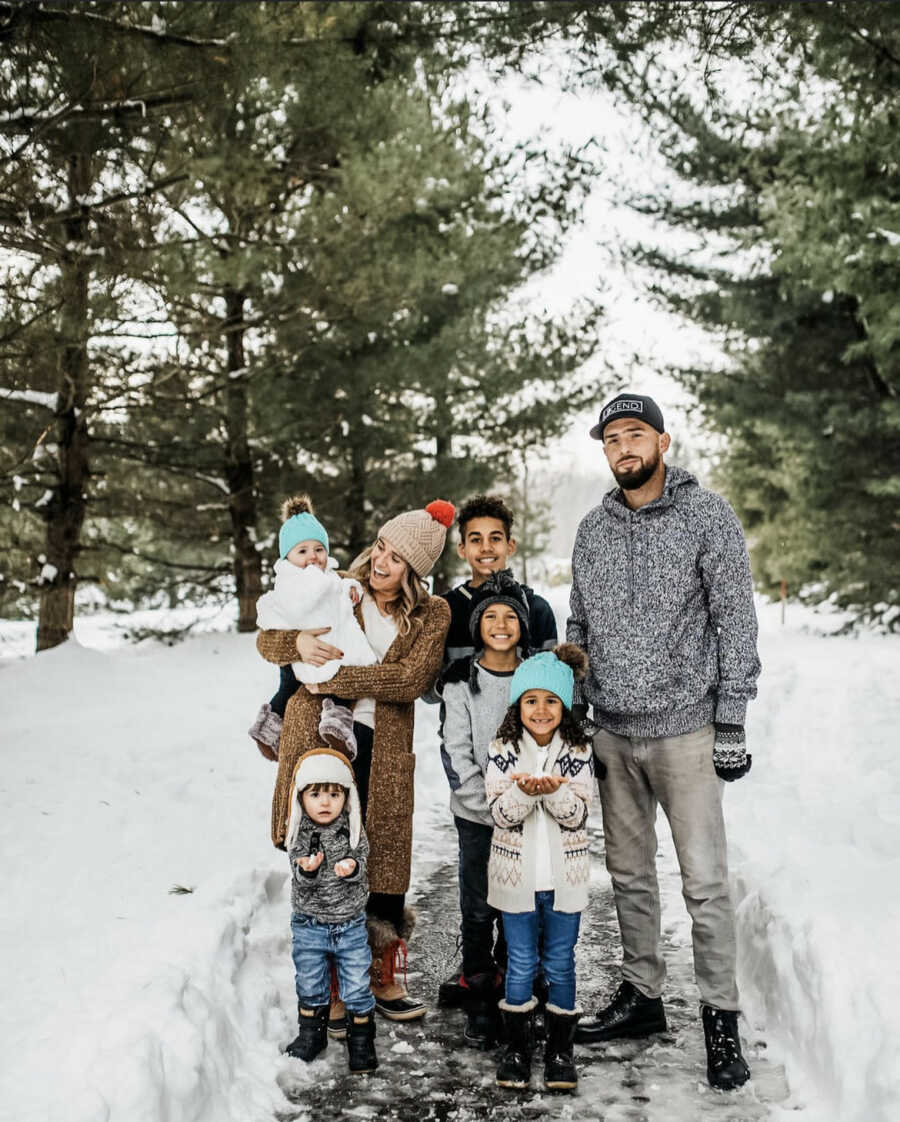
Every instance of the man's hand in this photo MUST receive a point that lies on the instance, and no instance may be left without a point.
(310, 864)
(730, 757)
(345, 868)
(312, 650)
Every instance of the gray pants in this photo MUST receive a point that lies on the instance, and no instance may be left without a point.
(676, 773)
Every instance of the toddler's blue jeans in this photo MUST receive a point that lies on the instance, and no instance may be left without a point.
(315, 945)
(556, 955)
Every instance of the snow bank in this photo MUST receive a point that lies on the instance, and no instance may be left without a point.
(124, 775)
(815, 852)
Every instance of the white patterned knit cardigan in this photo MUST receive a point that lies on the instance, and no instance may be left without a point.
(513, 860)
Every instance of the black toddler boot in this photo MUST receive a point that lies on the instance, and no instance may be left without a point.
(483, 993)
(514, 1064)
(361, 1042)
(559, 1063)
(629, 1015)
(725, 1066)
(312, 1033)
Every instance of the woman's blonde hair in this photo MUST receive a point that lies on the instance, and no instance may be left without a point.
(412, 594)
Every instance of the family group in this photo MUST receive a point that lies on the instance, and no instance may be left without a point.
(644, 704)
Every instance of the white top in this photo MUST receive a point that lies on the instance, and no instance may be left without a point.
(543, 872)
(381, 631)
(312, 597)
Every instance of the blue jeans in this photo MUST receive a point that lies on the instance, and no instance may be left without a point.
(316, 945)
(556, 955)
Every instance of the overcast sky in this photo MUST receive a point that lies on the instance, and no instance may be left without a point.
(633, 324)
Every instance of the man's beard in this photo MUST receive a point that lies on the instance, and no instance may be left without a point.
(632, 478)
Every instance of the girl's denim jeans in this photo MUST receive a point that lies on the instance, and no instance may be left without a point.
(556, 955)
(316, 945)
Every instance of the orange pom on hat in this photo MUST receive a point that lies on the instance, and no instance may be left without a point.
(443, 511)
(419, 535)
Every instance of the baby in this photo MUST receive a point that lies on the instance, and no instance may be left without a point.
(309, 593)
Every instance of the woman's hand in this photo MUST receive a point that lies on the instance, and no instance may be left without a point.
(312, 650)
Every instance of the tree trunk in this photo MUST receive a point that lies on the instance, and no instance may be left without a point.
(239, 469)
(65, 512)
(358, 531)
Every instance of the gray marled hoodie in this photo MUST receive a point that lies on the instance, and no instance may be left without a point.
(321, 894)
(662, 602)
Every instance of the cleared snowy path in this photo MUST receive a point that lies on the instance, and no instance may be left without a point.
(427, 1072)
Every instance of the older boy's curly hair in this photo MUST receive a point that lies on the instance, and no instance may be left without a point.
(484, 506)
(511, 728)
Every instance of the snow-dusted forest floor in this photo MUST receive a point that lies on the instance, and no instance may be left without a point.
(126, 772)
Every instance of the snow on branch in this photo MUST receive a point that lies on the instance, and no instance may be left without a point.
(31, 397)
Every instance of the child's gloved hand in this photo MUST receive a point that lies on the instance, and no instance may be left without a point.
(345, 868)
(310, 864)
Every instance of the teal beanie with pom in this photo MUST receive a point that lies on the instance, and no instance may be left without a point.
(299, 525)
(554, 671)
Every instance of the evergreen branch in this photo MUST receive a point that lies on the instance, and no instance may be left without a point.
(123, 107)
(130, 551)
(37, 13)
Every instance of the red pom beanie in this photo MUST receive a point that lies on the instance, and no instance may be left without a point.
(419, 535)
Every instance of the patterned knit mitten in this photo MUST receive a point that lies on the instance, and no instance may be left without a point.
(730, 757)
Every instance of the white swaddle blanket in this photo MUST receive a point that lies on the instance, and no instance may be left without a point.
(305, 598)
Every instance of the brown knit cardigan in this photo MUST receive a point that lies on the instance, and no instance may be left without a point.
(408, 669)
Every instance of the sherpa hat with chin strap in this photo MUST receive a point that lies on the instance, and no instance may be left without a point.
(629, 405)
(419, 535)
(500, 588)
(554, 670)
(323, 765)
(299, 525)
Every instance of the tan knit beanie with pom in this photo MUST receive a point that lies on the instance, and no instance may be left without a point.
(419, 535)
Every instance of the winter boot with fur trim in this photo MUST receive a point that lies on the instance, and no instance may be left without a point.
(388, 961)
(336, 728)
(559, 1062)
(514, 1064)
(361, 1042)
(725, 1065)
(482, 994)
(312, 1033)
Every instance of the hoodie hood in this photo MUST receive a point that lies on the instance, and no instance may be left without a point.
(676, 479)
(323, 765)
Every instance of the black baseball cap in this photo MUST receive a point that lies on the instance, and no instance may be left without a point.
(629, 405)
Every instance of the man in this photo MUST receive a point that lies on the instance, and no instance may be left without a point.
(662, 602)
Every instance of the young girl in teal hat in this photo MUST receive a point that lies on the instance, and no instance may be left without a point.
(539, 784)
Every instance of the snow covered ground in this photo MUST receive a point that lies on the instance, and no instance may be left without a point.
(126, 772)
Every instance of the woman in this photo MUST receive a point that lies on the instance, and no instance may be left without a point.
(406, 628)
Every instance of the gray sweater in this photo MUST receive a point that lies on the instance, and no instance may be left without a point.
(321, 894)
(662, 601)
(469, 723)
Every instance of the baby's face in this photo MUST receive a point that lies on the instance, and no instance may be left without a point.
(308, 553)
(324, 805)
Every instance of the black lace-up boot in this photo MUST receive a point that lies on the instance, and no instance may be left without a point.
(725, 1066)
(629, 1015)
